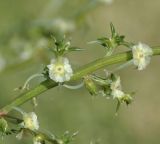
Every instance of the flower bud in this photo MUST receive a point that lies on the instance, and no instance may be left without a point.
(127, 99)
(90, 85)
(3, 125)
(38, 139)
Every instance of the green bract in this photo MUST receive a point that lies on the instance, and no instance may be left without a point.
(126, 98)
(110, 43)
(62, 47)
(90, 85)
(67, 138)
(3, 126)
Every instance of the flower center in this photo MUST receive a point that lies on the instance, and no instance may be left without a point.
(140, 55)
(59, 69)
(29, 123)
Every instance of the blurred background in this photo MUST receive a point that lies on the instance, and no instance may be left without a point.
(25, 36)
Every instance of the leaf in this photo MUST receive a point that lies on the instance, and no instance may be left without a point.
(113, 31)
(75, 49)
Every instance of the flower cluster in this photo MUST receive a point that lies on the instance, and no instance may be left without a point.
(109, 87)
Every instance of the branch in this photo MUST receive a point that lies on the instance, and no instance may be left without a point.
(45, 136)
(79, 73)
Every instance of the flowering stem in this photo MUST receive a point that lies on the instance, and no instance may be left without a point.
(79, 73)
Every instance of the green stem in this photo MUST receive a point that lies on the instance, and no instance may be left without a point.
(79, 73)
(42, 87)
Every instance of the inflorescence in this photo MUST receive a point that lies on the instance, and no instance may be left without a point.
(60, 70)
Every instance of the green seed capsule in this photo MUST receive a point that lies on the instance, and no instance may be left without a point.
(90, 85)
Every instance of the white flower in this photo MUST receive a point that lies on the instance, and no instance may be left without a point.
(141, 55)
(116, 85)
(117, 94)
(116, 88)
(60, 70)
(30, 121)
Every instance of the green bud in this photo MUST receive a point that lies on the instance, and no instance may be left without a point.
(38, 139)
(103, 84)
(90, 85)
(127, 99)
(3, 125)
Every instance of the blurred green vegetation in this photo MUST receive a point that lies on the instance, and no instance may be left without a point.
(26, 22)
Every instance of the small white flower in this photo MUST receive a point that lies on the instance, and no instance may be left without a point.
(116, 88)
(117, 94)
(116, 85)
(30, 121)
(141, 55)
(60, 70)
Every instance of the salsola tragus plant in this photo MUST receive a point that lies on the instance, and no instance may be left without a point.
(60, 72)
